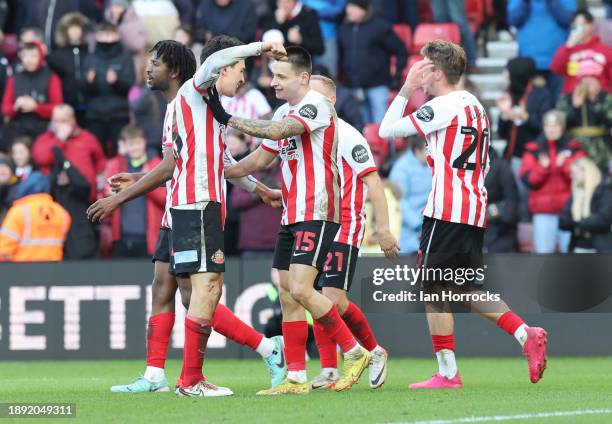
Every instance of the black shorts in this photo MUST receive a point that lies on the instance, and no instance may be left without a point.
(450, 246)
(339, 267)
(197, 240)
(162, 248)
(305, 243)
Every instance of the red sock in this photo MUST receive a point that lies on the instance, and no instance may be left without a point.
(197, 331)
(295, 334)
(337, 330)
(510, 322)
(226, 323)
(158, 336)
(440, 342)
(327, 347)
(359, 326)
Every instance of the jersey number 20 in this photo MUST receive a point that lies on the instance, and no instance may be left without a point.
(462, 160)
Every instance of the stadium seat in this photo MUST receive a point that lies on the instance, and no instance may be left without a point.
(427, 32)
(378, 145)
(404, 33)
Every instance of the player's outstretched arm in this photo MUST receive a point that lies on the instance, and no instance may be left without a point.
(386, 240)
(261, 128)
(150, 181)
(123, 180)
(395, 124)
(208, 72)
(256, 161)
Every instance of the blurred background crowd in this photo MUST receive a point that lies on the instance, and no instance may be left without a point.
(75, 110)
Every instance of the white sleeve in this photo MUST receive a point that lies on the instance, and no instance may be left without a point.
(247, 183)
(314, 115)
(432, 116)
(208, 73)
(355, 150)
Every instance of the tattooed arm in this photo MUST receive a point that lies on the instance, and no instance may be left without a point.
(273, 130)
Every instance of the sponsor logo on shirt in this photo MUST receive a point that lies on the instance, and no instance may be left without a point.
(288, 149)
(425, 114)
(360, 154)
(308, 111)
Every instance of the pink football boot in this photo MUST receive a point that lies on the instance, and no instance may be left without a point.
(438, 382)
(535, 352)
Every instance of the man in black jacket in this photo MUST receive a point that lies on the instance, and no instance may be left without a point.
(109, 76)
(366, 45)
(71, 190)
(236, 18)
(299, 25)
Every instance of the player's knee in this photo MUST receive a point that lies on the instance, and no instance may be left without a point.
(300, 293)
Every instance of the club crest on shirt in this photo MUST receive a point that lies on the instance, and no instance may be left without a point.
(218, 257)
(360, 154)
(308, 111)
(425, 114)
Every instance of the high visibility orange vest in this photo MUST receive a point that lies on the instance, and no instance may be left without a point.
(34, 230)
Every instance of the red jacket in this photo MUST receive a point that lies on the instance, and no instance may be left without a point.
(566, 62)
(156, 201)
(82, 150)
(550, 187)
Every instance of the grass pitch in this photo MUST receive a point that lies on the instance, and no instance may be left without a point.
(493, 387)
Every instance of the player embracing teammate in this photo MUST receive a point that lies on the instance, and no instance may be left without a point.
(456, 128)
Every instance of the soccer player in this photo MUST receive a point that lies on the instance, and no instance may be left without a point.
(303, 132)
(456, 128)
(359, 179)
(198, 147)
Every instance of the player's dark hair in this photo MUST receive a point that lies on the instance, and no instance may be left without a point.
(217, 43)
(447, 56)
(177, 58)
(588, 16)
(106, 26)
(299, 58)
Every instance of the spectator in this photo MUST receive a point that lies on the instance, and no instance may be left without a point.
(35, 227)
(21, 155)
(366, 45)
(31, 94)
(329, 13)
(131, 30)
(248, 103)
(256, 240)
(412, 175)
(67, 60)
(8, 185)
(502, 208)
(78, 146)
(134, 236)
(522, 107)
(347, 106)
(454, 11)
(184, 35)
(46, 14)
(583, 45)
(535, 18)
(589, 114)
(299, 25)
(148, 108)
(160, 19)
(110, 74)
(237, 144)
(71, 190)
(236, 18)
(546, 171)
(186, 10)
(588, 213)
(32, 35)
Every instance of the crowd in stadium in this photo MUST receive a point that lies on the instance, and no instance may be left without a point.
(76, 110)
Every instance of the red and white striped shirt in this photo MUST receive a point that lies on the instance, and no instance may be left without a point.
(166, 221)
(311, 181)
(456, 128)
(197, 138)
(355, 160)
